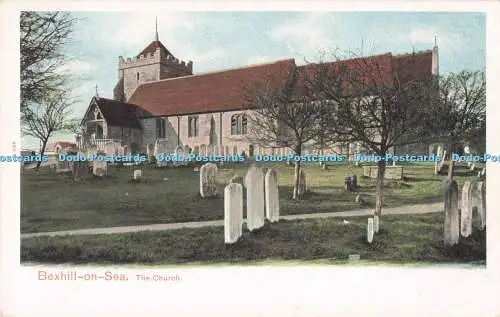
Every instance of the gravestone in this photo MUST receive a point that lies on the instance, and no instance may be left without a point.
(481, 204)
(180, 155)
(466, 210)
(63, 166)
(255, 198)
(451, 216)
(137, 174)
(208, 174)
(369, 230)
(375, 224)
(233, 212)
(100, 168)
(472, 166)
(236, 179)
(272, 196)
(437, 162)
(81, 171)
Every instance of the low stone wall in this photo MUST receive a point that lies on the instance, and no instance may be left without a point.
(391, 172)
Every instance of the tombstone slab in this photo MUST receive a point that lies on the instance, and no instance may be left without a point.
(255, 198)
(137, 174)
(466, 210)
(208, 174)
(481, 204)
(370, 230)
(233, 212)
(272, 196)
(375, 224)
(451, 215)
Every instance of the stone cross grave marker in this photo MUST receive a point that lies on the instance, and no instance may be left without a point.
(233, 212)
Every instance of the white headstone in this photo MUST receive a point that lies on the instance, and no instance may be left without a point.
(272, 196)
(369, 230)
(208, 174)
(451, 220)
(233, 212)
(466, 211)
(375, 224)
(137, 174)
(255, 198)
(100, 168)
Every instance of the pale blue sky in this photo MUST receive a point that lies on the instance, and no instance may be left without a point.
(221, 40)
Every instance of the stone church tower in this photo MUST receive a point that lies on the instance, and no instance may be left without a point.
(154, 63)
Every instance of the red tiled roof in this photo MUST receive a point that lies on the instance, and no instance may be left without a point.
(151, 48)
(228, 90)
(209, 92)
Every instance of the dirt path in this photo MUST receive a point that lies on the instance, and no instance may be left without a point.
(402, 210)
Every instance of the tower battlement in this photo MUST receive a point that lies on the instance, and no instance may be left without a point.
(154, 58)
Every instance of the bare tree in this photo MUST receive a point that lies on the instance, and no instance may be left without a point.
(43, 38)
(461, 111)
(50, 116)
(368, 104)
(284, 117)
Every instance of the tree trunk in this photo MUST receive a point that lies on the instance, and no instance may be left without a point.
(42, 150)
(379, 187)
(451, 164)
(296, 195)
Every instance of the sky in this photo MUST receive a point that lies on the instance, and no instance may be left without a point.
(221, 40)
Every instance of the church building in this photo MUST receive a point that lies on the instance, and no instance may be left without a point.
(160, 105)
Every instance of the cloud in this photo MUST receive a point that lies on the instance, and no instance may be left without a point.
(306, 36)
(77, 66)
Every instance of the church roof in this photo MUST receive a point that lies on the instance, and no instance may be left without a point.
(208, 92)
(152, 47)
(228, 90)
(117, 113)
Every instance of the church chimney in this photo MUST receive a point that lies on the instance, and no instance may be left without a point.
(435, 58)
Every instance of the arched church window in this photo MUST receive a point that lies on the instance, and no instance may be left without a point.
(243, 124)
(192, 126)
(234, 124)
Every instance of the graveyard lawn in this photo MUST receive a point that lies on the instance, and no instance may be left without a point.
(402, 239)
(53, 202)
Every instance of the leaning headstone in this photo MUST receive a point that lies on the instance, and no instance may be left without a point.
(369, 230)
(451, 216)
(233, 212)
(483, 171)
(255, 198)
(481, 204)
(208, 174)
(466, 211)
(137, 174)
(472, 166)
(272, 196)
(375, 224)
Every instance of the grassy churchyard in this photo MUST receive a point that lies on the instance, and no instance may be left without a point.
(53, 202)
